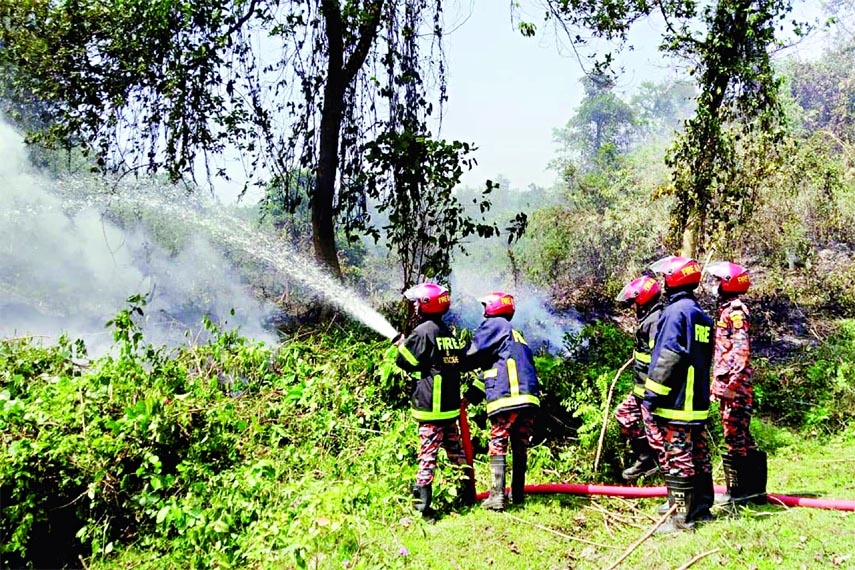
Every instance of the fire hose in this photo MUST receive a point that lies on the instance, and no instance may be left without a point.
(634, 492)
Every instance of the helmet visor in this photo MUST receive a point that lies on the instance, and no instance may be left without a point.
(720, 269)
(664, 265)
(627, 295)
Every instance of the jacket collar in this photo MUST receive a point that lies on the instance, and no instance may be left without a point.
(676, 295)
(642, 312)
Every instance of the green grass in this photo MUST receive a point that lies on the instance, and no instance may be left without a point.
(749, 537)
(562, 532)
(146, 462)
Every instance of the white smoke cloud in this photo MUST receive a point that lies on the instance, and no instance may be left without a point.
(66, 268)
(543, 328)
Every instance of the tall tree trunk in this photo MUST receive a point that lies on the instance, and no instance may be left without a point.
(340, 75)
(690, 240)
(323, 198)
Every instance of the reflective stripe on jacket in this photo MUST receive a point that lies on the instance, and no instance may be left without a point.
(509, 378)
(645, 335)
(678, 384)
(431, 354)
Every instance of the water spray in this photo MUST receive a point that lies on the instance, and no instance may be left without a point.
(265, 248)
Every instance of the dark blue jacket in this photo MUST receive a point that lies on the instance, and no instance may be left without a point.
(431, 354)
(645, 336)
(677, 389)
(508, 378)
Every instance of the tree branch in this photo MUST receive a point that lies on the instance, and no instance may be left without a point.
(243, 19)
(367, 34)
(698, 557)
(681, 37)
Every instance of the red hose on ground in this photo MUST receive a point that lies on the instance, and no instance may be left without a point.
(635, 492)
(648, 492)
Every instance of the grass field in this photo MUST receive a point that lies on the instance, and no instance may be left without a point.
(578, 532)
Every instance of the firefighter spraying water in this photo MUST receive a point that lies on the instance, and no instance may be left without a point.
(431, 354)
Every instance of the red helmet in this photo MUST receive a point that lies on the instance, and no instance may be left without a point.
(498, 304)
(432, 299)
(733, 278)
(678, 271)
(640, 291)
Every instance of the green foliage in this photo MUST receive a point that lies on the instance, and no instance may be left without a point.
(607, 228)
(738, 88)
(602, 128)
(234, 454)
(163, 86)
(575, 388)
(816, 389)
(213, 453)
(823, 89)
(412, 177)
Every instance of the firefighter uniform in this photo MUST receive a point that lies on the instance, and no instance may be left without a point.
(744, 464)
(509, 383)
(647, 446)
(677, 396)
(431, 355)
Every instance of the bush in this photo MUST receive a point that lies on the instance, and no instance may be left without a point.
(815, 389)
(575, 390)
(199, 452)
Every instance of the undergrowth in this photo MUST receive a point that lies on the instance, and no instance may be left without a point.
(236, 454)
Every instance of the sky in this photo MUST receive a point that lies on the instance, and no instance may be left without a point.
(507, 92)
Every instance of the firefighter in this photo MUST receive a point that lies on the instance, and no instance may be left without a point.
(509, 382)
(677, 393)
(431, 355)
(745, 467)
(644, 294)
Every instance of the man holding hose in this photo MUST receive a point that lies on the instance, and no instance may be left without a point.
(431, 355)
(509, 383)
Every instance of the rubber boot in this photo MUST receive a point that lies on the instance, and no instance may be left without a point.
(735, 477)
(422, 495)
(758, 472)
(520, 460)
(496, 500)
(681, 493)
(704, 497)
(645, 462)
(466, 493)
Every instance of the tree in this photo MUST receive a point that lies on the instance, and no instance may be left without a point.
(150, 85)
(413, 183)
(595, 138)
(663, 108)
(727, 43)
(824, 90)
(602, 127)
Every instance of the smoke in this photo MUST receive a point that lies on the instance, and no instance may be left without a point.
(543, 328)
(65, 267)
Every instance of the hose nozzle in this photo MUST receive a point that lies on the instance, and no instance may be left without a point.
(398, 338)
